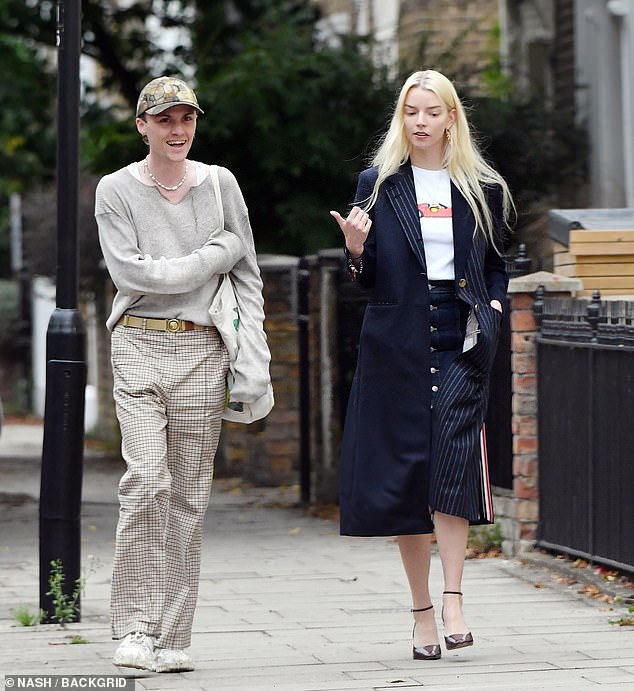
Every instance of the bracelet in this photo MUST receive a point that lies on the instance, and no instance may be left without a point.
(355, 271)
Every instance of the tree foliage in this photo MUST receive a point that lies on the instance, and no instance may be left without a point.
(290, 117)
(27, 92)
(293, 118)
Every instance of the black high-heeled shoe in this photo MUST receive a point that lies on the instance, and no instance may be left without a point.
(456, 640)
(425, 652)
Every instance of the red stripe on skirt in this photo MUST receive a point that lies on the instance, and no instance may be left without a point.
(487, 501)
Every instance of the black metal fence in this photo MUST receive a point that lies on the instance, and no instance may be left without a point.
(586, 428)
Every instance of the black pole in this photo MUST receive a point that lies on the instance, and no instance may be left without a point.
(63, 447)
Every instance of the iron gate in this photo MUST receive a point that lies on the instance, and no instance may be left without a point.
(586, 429)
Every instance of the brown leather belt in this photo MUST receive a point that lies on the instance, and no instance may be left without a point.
(153, 324)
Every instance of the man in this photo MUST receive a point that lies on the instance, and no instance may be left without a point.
(165, 249)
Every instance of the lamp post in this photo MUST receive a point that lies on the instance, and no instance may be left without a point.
(63, 446)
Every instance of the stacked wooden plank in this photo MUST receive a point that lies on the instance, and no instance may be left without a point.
(602, 259)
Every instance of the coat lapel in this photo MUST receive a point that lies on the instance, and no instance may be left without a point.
(463, 226)
(402, 195)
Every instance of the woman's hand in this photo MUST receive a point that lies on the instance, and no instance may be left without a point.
(355, 229)
(497, 305)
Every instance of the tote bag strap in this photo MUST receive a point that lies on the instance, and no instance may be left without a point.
(213, 174)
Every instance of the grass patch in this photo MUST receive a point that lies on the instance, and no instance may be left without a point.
(484, 541)
(24, 617)
(627, 620)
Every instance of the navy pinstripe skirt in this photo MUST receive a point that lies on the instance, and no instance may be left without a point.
(448, 324)
(459, 483)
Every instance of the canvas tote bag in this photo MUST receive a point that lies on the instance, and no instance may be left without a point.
(226, 318)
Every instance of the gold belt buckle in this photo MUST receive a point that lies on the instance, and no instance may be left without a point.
(174, 325)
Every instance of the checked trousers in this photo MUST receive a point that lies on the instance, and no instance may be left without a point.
(169, 391)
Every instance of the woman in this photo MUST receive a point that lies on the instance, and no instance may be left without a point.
(165, 250)
(425, 239)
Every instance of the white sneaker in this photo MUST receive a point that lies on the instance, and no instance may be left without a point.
(135, 650)
(169, 660)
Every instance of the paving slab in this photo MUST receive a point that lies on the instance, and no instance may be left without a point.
(287, 604)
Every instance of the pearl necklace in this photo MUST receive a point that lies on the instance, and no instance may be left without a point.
(169, 188)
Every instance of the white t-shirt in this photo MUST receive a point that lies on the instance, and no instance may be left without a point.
(433, 197)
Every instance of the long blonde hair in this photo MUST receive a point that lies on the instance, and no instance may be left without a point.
(467, 168)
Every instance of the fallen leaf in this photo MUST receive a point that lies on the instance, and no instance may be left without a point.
(579, 564)
(565, 580)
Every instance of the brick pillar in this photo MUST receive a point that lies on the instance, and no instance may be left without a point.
(524, 332)
(524, 418)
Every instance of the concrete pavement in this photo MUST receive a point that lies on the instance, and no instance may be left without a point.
(285, 603)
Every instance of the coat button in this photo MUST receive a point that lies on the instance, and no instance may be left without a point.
(462, 283)
(434, 388)
(433, 370)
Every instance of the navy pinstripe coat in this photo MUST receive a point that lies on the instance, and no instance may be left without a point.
(396, 460)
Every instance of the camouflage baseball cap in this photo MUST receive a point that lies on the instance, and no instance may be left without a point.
(163, 93)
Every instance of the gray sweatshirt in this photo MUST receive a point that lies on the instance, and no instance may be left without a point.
(166, 260)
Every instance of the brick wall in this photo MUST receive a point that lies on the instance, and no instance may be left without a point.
(267, 451)
(462, 28)
(468, 24)
(563, 56)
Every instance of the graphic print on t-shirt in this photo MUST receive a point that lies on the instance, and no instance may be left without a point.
(434, 210)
